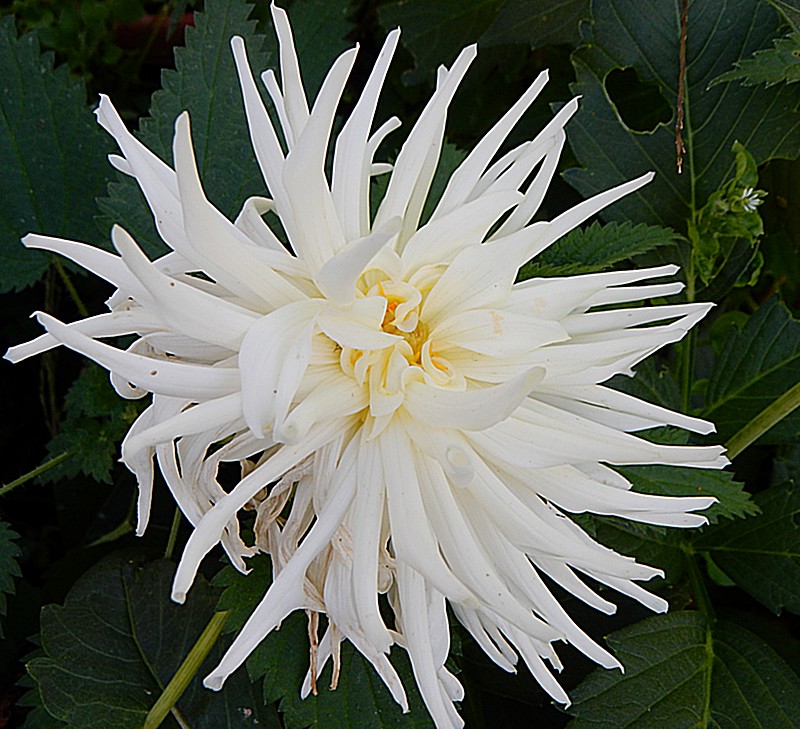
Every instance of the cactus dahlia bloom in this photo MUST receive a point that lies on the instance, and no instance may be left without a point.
(410, 421)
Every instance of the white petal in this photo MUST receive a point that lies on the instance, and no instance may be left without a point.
(350, 186)
(416, 162)
(195, 419)
(357, 325)
(141, 465)
(175, 379)
(316, 233)
(338, 275)
(413, 537)
(217, 245)
(285, 594)
(273, 358)
(463, 180)
(471, 409)
(439, 240)
(186, 308)
(112, 324)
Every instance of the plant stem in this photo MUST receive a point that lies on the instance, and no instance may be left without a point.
(761, 423)
(186, 671)
(73, 292)
(698, 585)
(38, 471)
(173, 533)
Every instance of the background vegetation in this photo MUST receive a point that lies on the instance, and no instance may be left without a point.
(90, 637)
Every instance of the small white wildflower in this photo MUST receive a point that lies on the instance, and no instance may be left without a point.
(751, 199)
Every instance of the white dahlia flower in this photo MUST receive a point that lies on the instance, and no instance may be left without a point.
(425, 421)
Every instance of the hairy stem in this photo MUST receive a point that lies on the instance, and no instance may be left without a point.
(38, 471)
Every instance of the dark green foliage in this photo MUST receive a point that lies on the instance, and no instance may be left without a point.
(537, 24)
(597, 248)
(53, 157)
(790, 9)
(9, 567)
(762, 555)
(732, 501)
(771, 66)
(110, 650)
(435, 32)
(682, 672)
(627, 33)
(757, 365)
(95, 420)
(227, 167)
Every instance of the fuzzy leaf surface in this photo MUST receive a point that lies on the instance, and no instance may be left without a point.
(95, 421)
(680, 673)
(53, 153)
(732, 501)
(771, 66)
(597, 248)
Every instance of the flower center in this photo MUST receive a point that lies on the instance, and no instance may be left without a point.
(387, 371)
(402, 318)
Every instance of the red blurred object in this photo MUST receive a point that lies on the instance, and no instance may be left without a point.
(150, 32)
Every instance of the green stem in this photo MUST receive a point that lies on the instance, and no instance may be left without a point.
(761, 423)
(698, 585)
(186, 672)
(73, 292)
(38, 471)
(173, 533)
(687, 368)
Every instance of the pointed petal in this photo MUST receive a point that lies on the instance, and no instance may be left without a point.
(175, 379)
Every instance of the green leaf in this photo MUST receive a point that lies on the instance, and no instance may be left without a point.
(728, 221)
(597, 248)
(644, 36)
(790, 9)
(9, 567)
(435, 32)
(95, 421)
(652, 382)
(117, 641)
(762, 554)
(771, 66)
(54, 157)
(732, 501)
(537, 24)
(361, 700)
(205, 84)
(681, 672)
(756, 366)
